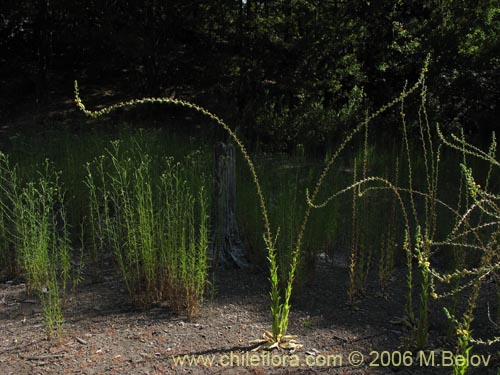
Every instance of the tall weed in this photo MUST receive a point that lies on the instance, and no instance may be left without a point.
(37, 221)
(153, 224)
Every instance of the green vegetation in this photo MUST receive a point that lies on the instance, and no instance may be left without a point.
(286, 72)
(35, 226)
(118, 208)
(280, 300)
(486, 242)
(150, 212)
(343, 158)
(280, 292)
(156, 227)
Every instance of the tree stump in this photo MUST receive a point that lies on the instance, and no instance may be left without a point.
(227, 248)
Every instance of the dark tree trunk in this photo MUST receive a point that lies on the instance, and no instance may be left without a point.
(227, 247)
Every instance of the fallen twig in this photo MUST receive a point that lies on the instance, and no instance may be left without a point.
(42, 357)
(81, 341)
(14, 348)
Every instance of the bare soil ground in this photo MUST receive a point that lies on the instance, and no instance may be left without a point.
(104, 334)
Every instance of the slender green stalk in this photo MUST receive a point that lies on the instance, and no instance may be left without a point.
(353, 287)
(422, 251)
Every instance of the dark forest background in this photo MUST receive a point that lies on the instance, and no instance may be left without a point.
(283, 71)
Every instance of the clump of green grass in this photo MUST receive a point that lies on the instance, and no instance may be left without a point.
(185, 247)
(37, 221)
(154, 225)
(8, 182)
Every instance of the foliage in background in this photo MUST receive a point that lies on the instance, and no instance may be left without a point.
(311, 65)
